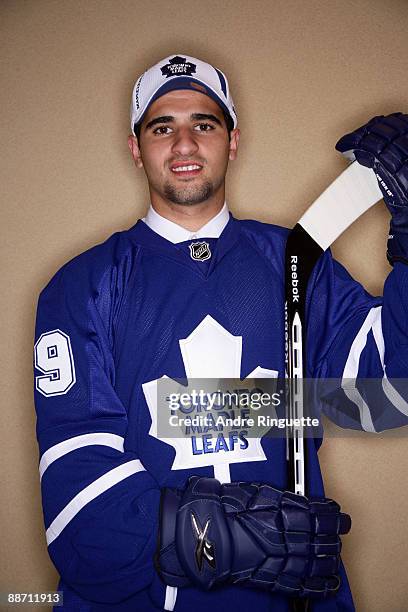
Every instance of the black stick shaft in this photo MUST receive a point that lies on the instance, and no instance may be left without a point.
(301, 255)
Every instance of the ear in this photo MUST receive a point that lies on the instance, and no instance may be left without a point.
(135, 151)
(233, 145)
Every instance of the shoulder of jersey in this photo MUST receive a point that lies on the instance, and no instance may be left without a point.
(266, 238)
(92, 265)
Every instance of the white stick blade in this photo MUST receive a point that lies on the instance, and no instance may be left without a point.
(353, 192)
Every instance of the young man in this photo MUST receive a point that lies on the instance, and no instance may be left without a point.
(190, 291)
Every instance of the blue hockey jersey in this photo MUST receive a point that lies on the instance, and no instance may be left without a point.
(119, 317)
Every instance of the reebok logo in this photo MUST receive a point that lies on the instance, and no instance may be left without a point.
(294, 279)
(204, 548)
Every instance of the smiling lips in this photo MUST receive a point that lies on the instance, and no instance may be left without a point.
(186, 168)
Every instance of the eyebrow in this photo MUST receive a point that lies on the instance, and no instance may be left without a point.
(164, 119)
(193, 117)
(205, 117)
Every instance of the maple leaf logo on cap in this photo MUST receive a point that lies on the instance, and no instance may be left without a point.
(178, 66)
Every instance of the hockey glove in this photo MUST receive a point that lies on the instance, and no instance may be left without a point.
(382, 144)
(250, 534)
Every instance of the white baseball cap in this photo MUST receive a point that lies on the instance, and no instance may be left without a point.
(180, 72)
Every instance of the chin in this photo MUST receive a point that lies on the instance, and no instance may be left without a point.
(188, 196)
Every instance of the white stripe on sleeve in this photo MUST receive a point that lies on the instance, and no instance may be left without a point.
(351, 366)
(59, 450)
(390, 391)
(99, 486)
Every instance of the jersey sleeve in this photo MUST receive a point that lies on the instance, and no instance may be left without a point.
(100, 505)
(359, 348)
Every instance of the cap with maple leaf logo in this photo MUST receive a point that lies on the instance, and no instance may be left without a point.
(180, 72)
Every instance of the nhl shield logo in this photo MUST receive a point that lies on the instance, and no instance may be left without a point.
(200, 251)
(178, 66)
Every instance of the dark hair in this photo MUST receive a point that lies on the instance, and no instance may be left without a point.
(228, 121)
(136, 129)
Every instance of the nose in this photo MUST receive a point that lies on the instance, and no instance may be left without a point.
(185, 142)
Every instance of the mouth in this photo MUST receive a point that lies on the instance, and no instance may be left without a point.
(186, 169)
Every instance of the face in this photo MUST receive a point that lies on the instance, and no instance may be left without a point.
(184, 149)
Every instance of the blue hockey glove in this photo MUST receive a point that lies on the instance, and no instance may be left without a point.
(382, 144)
(251, 535)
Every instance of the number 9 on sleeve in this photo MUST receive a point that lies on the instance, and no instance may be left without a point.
(53, 356)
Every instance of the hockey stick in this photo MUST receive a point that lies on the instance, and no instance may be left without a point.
(353, 192)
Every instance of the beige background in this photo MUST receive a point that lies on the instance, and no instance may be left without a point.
(302, 74)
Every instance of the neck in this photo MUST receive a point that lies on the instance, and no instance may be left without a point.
(191, 217)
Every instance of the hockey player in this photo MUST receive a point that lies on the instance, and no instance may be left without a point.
(137, 523)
